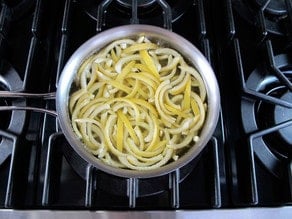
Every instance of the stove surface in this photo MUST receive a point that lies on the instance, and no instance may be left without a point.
(246, 164)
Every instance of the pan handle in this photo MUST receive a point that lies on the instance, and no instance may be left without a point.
(35, 109)
(44, 96)
(13, 94)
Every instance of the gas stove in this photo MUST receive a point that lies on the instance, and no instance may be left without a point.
(246, 167)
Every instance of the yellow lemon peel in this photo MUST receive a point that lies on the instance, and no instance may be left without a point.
(137, 105)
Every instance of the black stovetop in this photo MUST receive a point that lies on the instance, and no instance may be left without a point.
(246, 163)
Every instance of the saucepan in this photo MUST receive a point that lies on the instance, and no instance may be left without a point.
(159, 35)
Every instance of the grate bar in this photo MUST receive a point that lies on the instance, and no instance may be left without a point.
(290, 178)
(275, 69)
(29, 62)
(202, 20)
(252, 93)
(101, 13)
(134, 19)
(167, 14)
(174, 186)
(253, 179)
(262, 26)
(10, 181)
(64, 40)
(230, 20)
(61, 58)
(252, 139)
(257, 139)
(204, 41)
(65, 21)
(262, 22)
(89, 185)
(272, 129)
(48, 177)
(217, 186)
(132, 190)
(206, 48)
(36, 19)
(265, 5)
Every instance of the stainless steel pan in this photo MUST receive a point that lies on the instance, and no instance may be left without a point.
(171, 39)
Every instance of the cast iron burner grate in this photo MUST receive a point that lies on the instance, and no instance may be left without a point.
(270, 120)
(98, 186)
(267, 15)
(158, 12)
(120, 186)
(40, 176)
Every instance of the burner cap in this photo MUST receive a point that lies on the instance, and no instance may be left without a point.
(283, 114)
(276, 7)
(141, 3)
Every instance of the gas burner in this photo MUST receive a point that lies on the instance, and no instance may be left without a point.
(275, 14)
(12, 122)
(148, 11)
(118, 185)
(276, 7)
(272, 147)
(141, 3)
